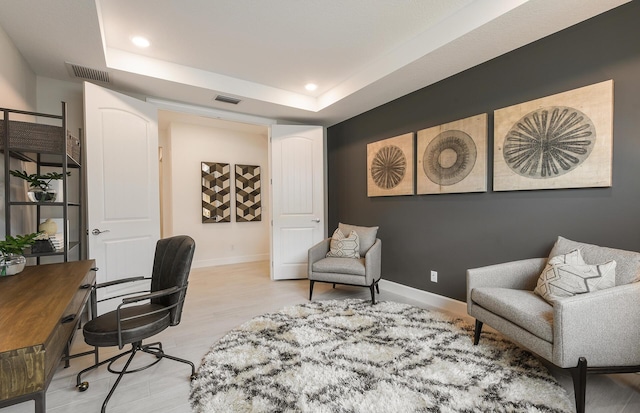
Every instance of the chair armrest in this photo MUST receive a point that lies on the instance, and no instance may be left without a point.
(518, 275)
(121, 281)
(143, 297)
(373, 262)
(318, 252)
(117, 282)
(149, 296)
(601, 326)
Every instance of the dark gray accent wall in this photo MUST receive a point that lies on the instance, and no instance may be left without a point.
(450, 233)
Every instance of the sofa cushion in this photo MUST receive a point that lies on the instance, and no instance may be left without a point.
(344, 247)
(367, 235)
(521, 307)
(627, 262)
(567, 275)
(340, 266)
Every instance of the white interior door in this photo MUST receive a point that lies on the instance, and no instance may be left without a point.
(298, 202)
(123, 206)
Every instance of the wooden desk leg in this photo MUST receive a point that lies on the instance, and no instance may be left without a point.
(41, 405)
(66, 357)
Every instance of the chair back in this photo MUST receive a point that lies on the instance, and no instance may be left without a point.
(171, 267)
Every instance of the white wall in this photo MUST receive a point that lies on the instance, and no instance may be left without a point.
(17, 91)
(185, 146)
(17, 80)
(51, 92)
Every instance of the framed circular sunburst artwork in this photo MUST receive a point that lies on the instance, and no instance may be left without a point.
(549, 142)
(559, 141)
(452, 157)
(390, 166)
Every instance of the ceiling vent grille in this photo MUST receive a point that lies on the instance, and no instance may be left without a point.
(227, 99)
(88, 73)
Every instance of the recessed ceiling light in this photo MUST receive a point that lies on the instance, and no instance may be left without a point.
(311, 87)
(140, 41)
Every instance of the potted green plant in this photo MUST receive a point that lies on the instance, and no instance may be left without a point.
(40, 184)
(11, 249)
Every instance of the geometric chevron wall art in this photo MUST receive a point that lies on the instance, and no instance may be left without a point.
(216, 192)
(248, 197)
(452, 157)
(559, 141)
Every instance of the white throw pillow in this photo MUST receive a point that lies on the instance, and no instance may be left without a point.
(567, 275)
(344, 247)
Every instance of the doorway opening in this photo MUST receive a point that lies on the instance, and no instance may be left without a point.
(185, 142)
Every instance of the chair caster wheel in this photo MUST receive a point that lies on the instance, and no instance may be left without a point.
(193, 376)
(83, 386)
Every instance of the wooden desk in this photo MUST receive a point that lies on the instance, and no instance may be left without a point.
(39, 310)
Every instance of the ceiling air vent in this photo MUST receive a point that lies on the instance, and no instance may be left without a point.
(88, 73)
(227, 99)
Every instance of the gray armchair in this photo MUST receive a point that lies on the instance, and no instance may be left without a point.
(596, 332)
(363, 271)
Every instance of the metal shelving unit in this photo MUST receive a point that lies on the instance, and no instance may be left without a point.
(46, 146)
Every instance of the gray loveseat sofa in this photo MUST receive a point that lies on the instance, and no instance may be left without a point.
(594, 332)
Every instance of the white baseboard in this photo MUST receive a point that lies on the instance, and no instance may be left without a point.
(230, 260)
(434, 300)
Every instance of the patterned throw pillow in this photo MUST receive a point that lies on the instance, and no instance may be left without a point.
(568, 275)
(344, 247)
(366, 235)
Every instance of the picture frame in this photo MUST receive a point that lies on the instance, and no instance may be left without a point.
(248, 193)
(452, 157)
(559, 141)
(390, 166)
(216, 192)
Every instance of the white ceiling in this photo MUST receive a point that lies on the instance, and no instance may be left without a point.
(361, 53)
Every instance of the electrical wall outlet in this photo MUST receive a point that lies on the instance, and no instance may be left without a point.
(434, 276)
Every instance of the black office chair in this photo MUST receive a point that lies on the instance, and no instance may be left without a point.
(133, 321)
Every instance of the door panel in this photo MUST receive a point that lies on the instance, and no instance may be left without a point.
(122, 258)
(292, 256)
(297, 163)
(121, 131)
(122, 187)
(297, 180)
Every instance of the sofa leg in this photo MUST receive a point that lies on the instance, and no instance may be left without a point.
(373, 294)
(334, 285)
(311, 288)
(579, 375)
(476, 333)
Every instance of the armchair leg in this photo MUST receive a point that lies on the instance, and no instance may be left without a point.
(311, 282)
(373, 294)
(476, 333)
(579, 375)
(377, 288)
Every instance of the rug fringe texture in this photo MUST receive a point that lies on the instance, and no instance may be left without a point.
(350, 356)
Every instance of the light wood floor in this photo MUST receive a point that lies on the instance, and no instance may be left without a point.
(219, 299)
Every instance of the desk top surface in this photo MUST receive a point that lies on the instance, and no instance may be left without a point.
(32, 302)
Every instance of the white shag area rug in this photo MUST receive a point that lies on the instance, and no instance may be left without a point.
(351, 356)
